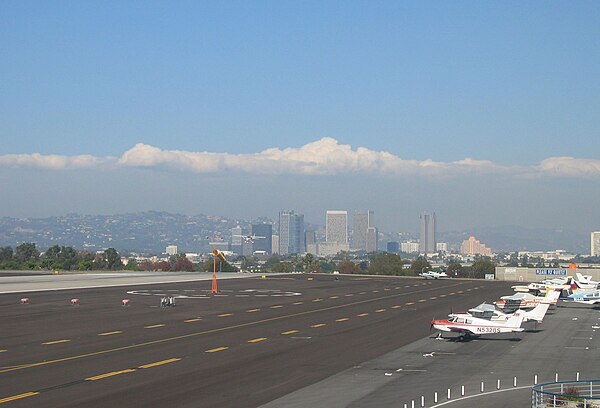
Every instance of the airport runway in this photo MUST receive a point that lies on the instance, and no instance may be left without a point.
(259, 340)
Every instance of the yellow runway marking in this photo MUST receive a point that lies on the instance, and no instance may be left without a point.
(111, 374)
(24, 366)
(317, 300)
(386, 289)
(410, 303)
(451, 293)
(433, 298)
(422, 300)
(349, 294)
(16, 397)
(257, 340)
(48, 343)
(362, 314)
(192, 320)
(379, 310)
(110, 333)
(226, 314)
(442, 295)
(159, 363)
(252, 310)
(460, 291)
(276, 307)
(343, 319)
(3, 351)
(362, 293)
(298, 303)
(286, 333)
(154, 326)
(333, 297)
(396, 307)
(216, 350)
(314, 326)
(375, 291)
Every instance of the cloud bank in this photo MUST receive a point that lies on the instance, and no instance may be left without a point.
(322, 157)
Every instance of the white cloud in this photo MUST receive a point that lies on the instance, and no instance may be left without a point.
(322, 157)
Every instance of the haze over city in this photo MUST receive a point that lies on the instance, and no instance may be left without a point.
(485, 113)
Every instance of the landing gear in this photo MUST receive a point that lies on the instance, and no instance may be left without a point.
(461, 338)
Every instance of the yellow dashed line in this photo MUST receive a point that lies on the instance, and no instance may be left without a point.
(433, 298)
(252, 310)
(276, 306)
(257, 340)
(410, 303)
(343, 319)
(375, 291)
(442, 295)
(16, 397)
(422, 300)
(110, 333)
(226, 314)
(349, 294)
(379, 310)
(216, 350)
(396, 307)
(362, 293)
(317, 325)
(159, 363)
(154, 326)
(451, 293)
(362, 314)
(289, 332)
(333, 297)
(192, 320)
(460, 291)
(111, 374)
(386, 289)
(297, 303)
(3, 351)
(317, 300)
(56, 342)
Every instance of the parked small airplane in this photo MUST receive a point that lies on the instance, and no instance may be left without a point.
(249, 238)
(526, 300)
(434, 275)
(468, 327)
(590, 298)
(490, 312)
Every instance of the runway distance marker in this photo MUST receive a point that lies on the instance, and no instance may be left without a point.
(159, 363)
(111, 374)
(7, 369)
(17, 397)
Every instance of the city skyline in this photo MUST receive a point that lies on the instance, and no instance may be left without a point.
(393, 107)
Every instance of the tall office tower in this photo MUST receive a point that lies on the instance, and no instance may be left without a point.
(237, 240)
(275, 243)
(291, 233)
(427, 240)
(336, 227)
(361, 222)
(311, 242)
(595, 243)
(372, 239)
(263, 244)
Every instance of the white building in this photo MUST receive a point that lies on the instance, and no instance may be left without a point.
(171, 250)
(336, 230)
(595, 244)
(372, 239)
(409, 247)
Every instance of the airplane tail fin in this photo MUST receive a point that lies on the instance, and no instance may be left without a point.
(516, 319)
(537, 313)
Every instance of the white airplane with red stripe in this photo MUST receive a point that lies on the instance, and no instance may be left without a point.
(468, 327)
(527, 300)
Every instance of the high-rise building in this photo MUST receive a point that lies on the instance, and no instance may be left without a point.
(595, 244)
(237, 240)
(275, 243)
(361, 221)
(393, 247)
(473, 246)
(291, 233)
(336, 231)
(427, 239)
(263, 244)
(372, 239)
(311, 242)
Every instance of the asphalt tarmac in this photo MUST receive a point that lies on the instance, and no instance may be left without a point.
(256, 341)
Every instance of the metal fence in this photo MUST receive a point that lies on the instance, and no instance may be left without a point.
(579, 394)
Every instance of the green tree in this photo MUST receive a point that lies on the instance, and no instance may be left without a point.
(6, 254)
(454, 269)
(310, 264)
(26, 253)
(481, 267)
(113, 259)
(132, 265)
(347, 267)
(419, 265)
(385, 264)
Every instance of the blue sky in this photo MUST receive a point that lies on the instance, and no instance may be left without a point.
(510, 83)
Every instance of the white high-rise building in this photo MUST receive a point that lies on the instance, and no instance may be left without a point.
(372, 239)
(336, 230)
(361, 222)
(427, 239)
(595, 244)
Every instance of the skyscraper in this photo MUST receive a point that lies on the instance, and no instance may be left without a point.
(595, 244)
(336, 227)
(263, 244)
(362, 221)
(372, 239)
(291, 233)
(427, 239)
